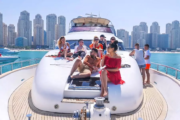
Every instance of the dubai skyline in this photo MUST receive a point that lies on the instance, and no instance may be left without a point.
(123, 14)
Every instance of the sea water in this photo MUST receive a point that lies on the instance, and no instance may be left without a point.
(168, 59)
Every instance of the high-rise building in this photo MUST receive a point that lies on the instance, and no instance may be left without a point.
(130, 41)
(11, 35)
(168, 28)
(61, 27)
(4, 34)
(142, 39)
(163, 41)
(149, 39)
(21, 42)
(51, 21)
(123, 35)
(135, 35)
(155, 30)
(1, 29)
(143, 27)
(175, 35)
(45, 40)
(38, 25)
(25, 26)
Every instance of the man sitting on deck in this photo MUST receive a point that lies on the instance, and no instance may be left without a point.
(91, 63)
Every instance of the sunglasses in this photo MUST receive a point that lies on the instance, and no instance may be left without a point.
(96, 39)
(113, 39)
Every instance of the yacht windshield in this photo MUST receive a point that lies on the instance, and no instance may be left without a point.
(73, 43)
(91, 29)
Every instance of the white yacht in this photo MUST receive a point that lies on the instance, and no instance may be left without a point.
(41, 91)
(8, 51)
(8, 58)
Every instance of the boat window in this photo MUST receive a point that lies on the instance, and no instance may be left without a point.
(91, 29)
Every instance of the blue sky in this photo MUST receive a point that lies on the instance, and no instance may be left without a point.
(123, 13)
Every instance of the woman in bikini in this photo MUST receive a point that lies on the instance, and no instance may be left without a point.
(111, 72)
(64, 48)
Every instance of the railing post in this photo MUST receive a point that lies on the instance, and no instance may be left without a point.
(21, 64)
(157, 67)
(166, 70)
(11, 66)
(176, 74)
(1, 70)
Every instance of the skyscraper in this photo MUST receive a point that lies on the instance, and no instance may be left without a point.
(1, 29)
(51, 21)
(168, 28)
(143, 27)
(155, 30)
(4, 34)
(175, 35)
(163, 41)
(45, 40)
(11, 35)
(61, 27)
(38, 30)
(123, 35)
(142, 39)
(25, 26)
(135, 35)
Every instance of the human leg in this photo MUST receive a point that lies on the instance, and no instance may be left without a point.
(104, 80)
(85, 73)
(77, 63)
(148, 76)
(143, 74)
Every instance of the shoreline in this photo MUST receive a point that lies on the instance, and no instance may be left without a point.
(166, 52)
(34, 50)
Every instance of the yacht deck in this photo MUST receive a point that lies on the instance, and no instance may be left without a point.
(153, 107)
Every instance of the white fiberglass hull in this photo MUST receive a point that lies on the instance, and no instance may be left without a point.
(8, 58)
(50, 87)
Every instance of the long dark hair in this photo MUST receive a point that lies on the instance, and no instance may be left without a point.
(114, 45)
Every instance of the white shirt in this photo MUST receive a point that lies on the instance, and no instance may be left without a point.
(75, 49)
(139, 56)
(147, 53)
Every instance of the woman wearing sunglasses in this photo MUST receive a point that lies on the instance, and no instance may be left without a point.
(111, 72)
(97, 45)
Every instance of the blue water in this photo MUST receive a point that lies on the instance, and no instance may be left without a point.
(24, 55)
(168, 59)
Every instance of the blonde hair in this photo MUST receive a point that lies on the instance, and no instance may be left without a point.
(94, 38)
(60, 40)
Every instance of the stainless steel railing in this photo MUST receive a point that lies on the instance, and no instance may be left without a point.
(12, 67)
(167, 68)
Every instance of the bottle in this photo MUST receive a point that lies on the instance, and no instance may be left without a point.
(105, 52)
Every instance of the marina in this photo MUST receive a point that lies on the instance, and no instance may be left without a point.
(37, 85)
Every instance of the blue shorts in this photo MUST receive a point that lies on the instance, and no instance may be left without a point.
(142, 66)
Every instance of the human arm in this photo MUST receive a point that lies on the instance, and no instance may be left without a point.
(147, 55)
(132, 53)
(103, 61)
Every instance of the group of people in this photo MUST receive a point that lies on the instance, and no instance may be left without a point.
(142, 58)
(91, 63)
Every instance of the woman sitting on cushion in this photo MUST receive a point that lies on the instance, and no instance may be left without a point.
(111, 72)
(97, 45)
(64, 48)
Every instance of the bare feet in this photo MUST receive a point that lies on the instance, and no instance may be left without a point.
(147, 82)
(70, 59)
(105, 94)
(102, 92)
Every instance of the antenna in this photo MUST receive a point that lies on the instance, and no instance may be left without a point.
(91, 15)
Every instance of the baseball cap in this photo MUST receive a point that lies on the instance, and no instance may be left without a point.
(102, 36)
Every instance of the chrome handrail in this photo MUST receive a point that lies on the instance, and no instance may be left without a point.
(167, 67)
(21, 62)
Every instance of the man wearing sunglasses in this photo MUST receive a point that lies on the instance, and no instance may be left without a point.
(79, 51)
(103, 42)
